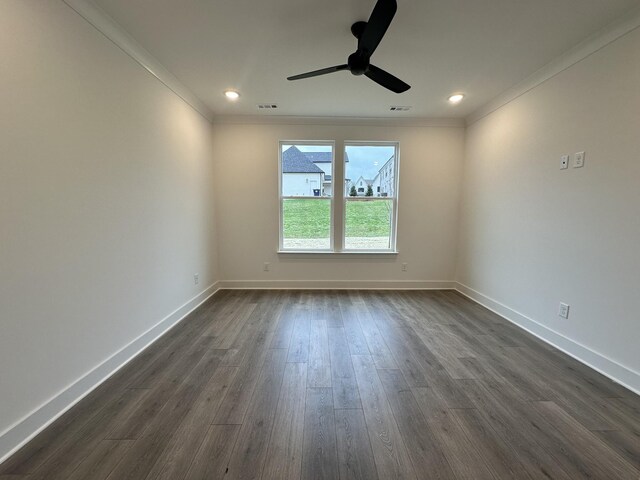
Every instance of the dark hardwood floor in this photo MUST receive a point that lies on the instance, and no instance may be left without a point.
(343, 385)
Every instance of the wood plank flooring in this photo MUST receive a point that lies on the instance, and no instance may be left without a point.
(343, 385)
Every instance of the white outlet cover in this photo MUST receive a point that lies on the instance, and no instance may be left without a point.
(563, 311)
(578, 161)
(564, 162)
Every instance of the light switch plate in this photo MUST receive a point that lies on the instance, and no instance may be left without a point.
(564, 162)
(578, 161)
(563, 311)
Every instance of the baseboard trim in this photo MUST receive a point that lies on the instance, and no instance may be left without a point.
(17, 435)
(597, 361)
(338, 284)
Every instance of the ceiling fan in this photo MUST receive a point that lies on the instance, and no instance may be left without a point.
(369, 35)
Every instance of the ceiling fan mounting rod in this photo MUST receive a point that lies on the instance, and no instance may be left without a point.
(358, 28)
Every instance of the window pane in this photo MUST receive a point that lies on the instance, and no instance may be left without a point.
(368, 224)
(306, 170)
(306, 224)
(370, 170)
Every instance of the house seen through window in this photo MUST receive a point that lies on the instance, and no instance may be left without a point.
(306, 187)
(309, 198)
(369, 219)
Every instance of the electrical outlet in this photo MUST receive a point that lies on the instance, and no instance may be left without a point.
(266, 267)
(196, 278)
(563, 311)
(564, 162)
(404, 267)
(578, 160)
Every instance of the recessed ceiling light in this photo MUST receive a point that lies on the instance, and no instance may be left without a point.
(457, 98)
(231, 94)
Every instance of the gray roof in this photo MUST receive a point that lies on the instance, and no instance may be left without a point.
(322, 157)
(319, 157)
(294, 161)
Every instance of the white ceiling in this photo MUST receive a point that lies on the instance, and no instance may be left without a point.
(480, 47)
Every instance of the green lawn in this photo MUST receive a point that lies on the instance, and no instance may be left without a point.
(311, 218)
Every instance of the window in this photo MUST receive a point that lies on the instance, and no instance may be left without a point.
(306, 206)
(370, 216)
(315, 217)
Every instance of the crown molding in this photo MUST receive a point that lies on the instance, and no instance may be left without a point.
(596, 42)
(102, 22)
(106, 25)
(355, 121)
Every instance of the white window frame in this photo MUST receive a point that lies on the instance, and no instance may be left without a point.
(346, 198)
(282, 198)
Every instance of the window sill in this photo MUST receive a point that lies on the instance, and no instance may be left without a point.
(347, 252)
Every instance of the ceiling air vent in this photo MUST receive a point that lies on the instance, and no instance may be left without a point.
(399, 108)
(267, 106)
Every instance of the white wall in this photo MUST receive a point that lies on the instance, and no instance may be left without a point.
(533, 236)
(106, 203)
(325, 166)
(107, 182)
(430, 169)
(298, 183)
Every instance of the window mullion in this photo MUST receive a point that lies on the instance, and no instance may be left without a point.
(338, 198)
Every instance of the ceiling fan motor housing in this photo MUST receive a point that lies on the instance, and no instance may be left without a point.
(358, 63)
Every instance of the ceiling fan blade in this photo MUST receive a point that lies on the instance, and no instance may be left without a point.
(323, 71)
(377, 25)
(386, 79)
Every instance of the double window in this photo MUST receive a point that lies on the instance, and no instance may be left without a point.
(343, 204)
